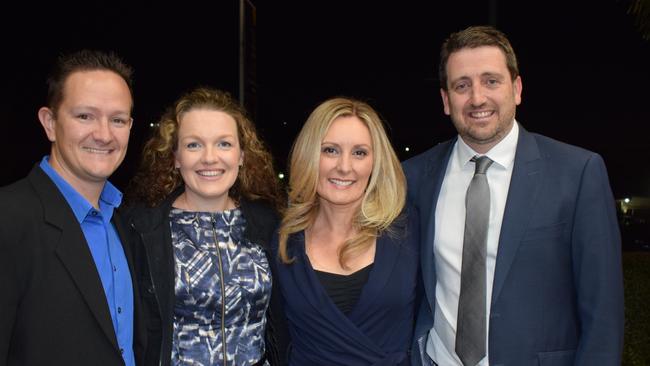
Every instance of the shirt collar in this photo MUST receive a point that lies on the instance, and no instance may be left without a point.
(109, 199)
(503, 153)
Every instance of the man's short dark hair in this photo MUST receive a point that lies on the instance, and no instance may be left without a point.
(84, 60)
(473, 37)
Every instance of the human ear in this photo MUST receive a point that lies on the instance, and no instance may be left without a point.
(46, 116)
(445, 100)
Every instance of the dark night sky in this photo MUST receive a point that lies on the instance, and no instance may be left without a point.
(585, 69)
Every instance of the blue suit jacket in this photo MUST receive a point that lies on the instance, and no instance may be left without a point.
(558, 290)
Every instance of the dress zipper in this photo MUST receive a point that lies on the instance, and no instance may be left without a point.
(223, 293)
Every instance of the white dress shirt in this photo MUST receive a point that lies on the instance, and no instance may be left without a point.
(448, 240)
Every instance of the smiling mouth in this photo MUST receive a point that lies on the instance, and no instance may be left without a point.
(481, 114)
(93, 150)
(210, 173)
(340, 183)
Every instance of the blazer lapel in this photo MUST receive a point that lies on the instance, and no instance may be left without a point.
(428, 197)
(522, 195)
(73, 250)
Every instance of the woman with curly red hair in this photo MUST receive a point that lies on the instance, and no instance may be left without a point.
(208, 208)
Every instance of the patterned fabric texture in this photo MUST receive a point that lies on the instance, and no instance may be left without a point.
(212, 258)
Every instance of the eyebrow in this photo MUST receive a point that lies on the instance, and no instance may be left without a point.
(193, 135)
(338, 145)
(462, 78)
(493, 74)
(485, 74)
(83, 108)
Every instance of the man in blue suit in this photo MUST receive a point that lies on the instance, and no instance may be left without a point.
(551, 263)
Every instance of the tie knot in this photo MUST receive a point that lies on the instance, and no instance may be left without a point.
(482, 164)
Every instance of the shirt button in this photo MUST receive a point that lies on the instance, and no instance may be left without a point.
(94, 213)
(119, 310)
(122, 350)
(114, 269)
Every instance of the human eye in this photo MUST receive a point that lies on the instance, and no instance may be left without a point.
(329, 150)
(492, 82)
(360, 153)
(223, 144)
(192, 145)
(461, 86)
(121, 121)
(85, 116)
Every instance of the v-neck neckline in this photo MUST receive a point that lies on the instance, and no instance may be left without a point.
(384, 261)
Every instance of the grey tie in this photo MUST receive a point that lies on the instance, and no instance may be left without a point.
(471, 328)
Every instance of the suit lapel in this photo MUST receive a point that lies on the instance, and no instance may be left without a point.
(73, 250)
(428, 197)
(524, 188)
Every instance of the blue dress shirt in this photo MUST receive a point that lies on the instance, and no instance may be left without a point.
(107, 252)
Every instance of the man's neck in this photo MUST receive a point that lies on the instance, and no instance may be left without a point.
(91, 191)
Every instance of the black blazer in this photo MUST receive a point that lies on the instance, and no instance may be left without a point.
(154, 263)
(53, 310)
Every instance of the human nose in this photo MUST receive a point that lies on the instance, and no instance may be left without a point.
(103, 131)
(209, 155)
(344, 163)
(478, 96)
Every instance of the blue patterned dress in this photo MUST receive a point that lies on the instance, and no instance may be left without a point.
(213, 258)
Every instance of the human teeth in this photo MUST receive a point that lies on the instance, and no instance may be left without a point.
(481, 114)
(341, 182)
(209, 173)
(96, 151)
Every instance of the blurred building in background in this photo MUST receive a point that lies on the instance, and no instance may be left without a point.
(634, 220)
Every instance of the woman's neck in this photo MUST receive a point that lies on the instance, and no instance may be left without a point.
(337, 221)
(190, 202)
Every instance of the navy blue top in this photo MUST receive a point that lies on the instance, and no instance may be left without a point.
(378, 329)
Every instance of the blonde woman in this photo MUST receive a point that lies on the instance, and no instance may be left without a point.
(347, 250)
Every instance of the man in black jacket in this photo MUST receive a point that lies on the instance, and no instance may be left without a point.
(66, 290)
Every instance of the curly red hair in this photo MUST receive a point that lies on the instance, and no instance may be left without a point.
(157, 177)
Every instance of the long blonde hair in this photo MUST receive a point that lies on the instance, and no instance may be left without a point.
(383, 199)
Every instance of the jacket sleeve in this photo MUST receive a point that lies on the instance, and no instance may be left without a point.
(277, 337)
(9, 290)
(597, 270)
